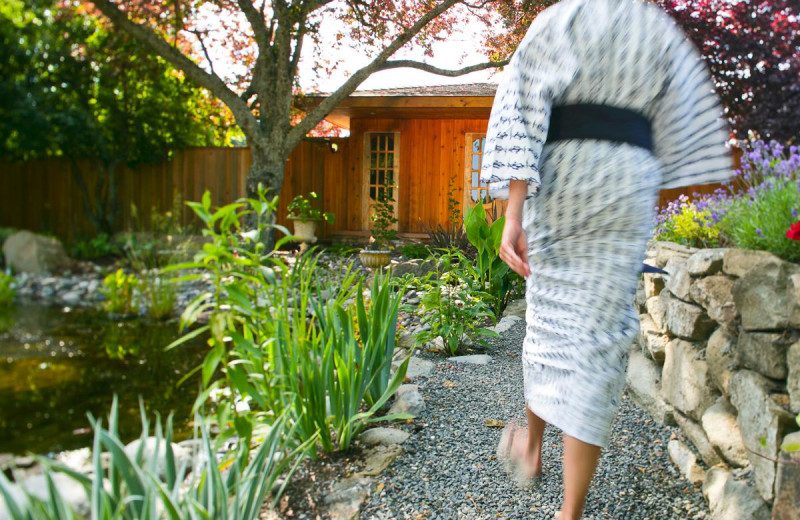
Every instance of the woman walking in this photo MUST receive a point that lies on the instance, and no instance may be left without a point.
(604, 103)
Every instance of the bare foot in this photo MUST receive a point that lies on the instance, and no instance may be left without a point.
(523, 464)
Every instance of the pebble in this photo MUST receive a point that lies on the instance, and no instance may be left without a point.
(449, 471)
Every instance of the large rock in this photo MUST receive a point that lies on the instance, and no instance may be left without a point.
(408, 400)
(654, 283)
(506, 323)
(346, 497)
(720, 357)
(736, 262)
(383, 436)
(793, 300)
(715, 294)
(705, 262)
(697, 436)
(685, 379)
(657, 309)
(729, 499)
(787, 483)
(152, 448)
(763, 352)
(666, 251)
(722, 430)
(686, 461)
(688, 321)
(793, 379)
(516, 308)
(28, 252)
(472, 359)
(643, 380)
(763, 425)
(679, 280)
(640, 298)
(417, 267)
(418, 367)
(70, 490)
(762, 296)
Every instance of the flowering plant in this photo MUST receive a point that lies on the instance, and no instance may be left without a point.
(753, 211)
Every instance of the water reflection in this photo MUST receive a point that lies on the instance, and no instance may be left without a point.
(57, 364)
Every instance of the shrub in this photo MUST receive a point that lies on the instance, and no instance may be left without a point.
(415, 251)
(120, 292)
(692, 223)
(97, 247)
(453, 304)
(159, 292)
(283, 342)
(300, 208)
(7, 292)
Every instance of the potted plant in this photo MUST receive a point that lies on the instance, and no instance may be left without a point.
(376, 254)
(306, 217)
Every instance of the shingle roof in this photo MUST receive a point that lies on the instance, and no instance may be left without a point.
(466, 89)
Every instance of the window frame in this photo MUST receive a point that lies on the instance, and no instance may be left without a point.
(366, 207)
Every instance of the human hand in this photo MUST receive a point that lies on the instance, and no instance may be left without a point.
(514, 247)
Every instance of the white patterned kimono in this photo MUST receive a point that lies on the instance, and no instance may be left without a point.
(590, 204)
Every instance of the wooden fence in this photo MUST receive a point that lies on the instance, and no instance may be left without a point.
(43, 196)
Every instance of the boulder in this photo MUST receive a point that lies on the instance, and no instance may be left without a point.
(666, 251)
(516, 308)
(408, 400)
(697, 436)
(787, 483)
(729, 499)
(763, 424)
(705, 262)
(762, 296)
(763, 352)
(419, 268)
(473, 359)
(657, 309)
(418, 367)
(506, 323)
(153, 448)
(383, 436)
(70, 490)
(679, 280)
(793, 300)
(722, 430)
(715, 294)
(378, 458)
(643, 378)
(27, 252)
(653, 284)
(736, 262)
(793, 379)
(656, 347)
(640, 298)
(720, 358)
(685, 459)
(685, 380)
(688, 321)
(346, 497)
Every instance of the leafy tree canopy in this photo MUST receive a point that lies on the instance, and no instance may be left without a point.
(72, 86)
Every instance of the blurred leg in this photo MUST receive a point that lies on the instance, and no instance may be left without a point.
(580, 461)
(533, 455)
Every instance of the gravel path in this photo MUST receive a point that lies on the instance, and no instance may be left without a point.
(449, 471)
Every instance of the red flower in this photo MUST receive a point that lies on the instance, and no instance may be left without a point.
(794, 231)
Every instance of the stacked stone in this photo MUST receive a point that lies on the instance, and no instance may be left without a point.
(718, 354)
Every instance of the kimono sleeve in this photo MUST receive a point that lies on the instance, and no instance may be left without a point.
(689, 132)
(541, 69)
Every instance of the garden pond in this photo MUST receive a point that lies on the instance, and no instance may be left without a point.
(59, 363)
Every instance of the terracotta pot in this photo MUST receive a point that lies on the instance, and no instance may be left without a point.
(305, 230)
(375, 259)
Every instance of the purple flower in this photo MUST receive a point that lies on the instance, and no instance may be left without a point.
(758, 232)
(794, 213)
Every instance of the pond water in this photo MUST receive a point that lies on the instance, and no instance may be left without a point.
(57, 364)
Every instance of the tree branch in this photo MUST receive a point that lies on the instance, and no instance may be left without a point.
(159, 46)
(257, 23)
(328, 104)
(441, 72)
(199, 35)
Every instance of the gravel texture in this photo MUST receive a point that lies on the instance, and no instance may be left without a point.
(449, 470)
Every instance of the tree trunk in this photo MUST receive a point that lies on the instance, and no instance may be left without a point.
(267, 169)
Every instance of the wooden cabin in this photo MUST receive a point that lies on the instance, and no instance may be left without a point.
(421, 146)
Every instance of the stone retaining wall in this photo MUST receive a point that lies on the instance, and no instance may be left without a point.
(718, 355)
